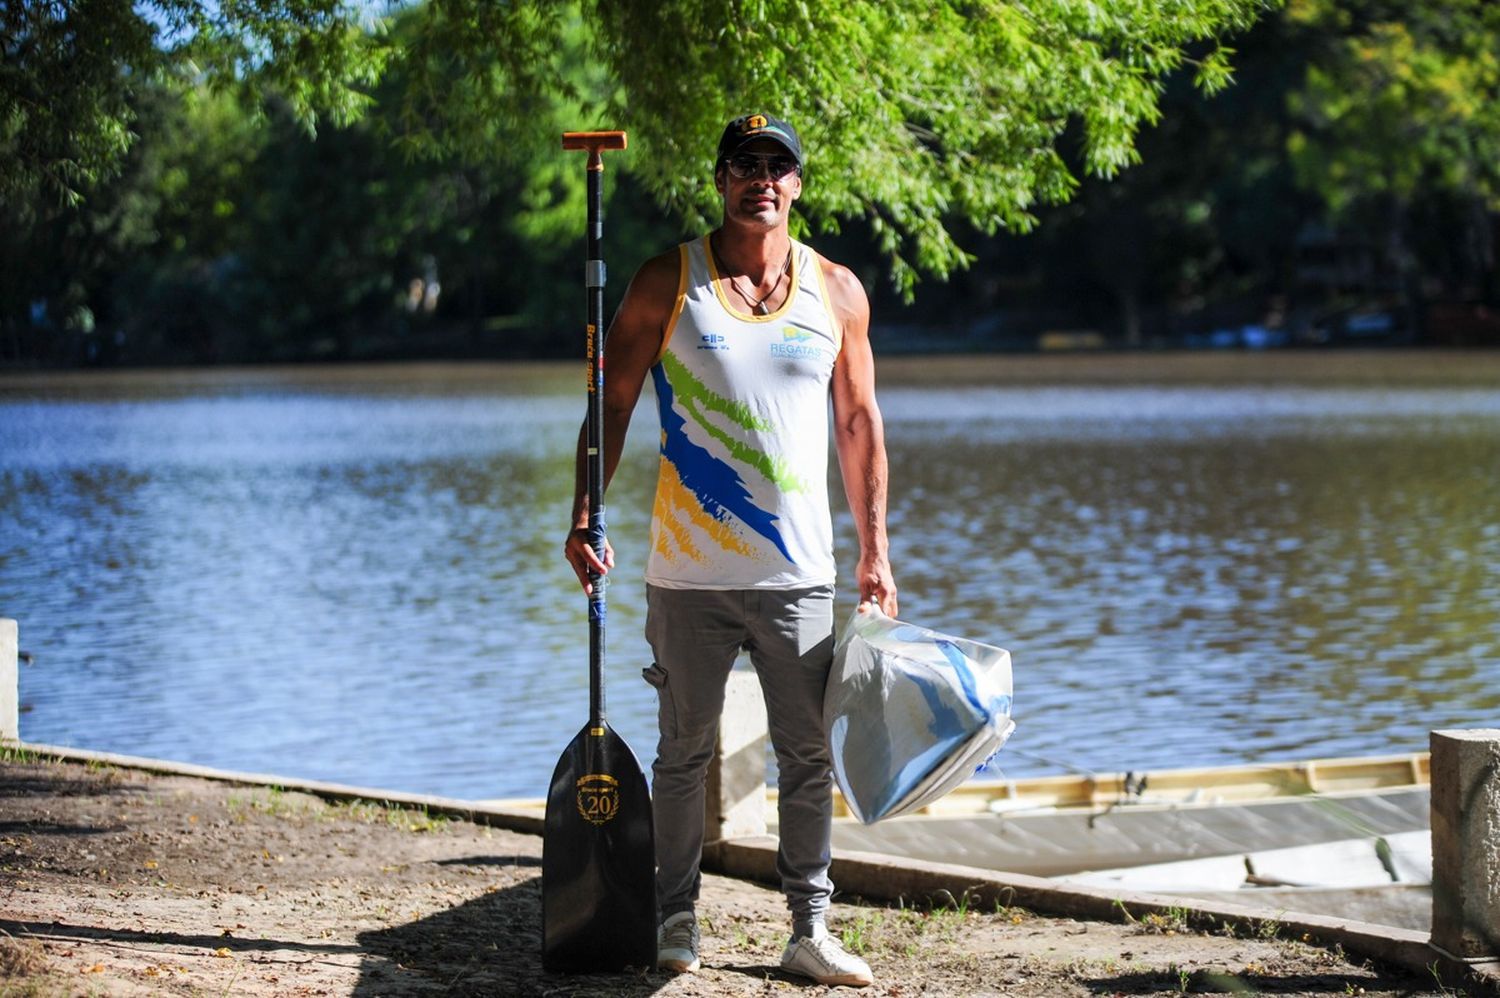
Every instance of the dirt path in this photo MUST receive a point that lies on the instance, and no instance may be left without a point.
(113, 882)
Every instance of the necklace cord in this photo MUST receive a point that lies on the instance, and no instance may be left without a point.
(757, 306)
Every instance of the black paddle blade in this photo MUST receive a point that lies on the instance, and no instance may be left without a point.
(598, 859)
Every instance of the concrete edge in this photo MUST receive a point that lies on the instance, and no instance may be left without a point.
(525, 820)
(883, 877)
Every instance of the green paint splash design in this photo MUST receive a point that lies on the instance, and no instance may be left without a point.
(696, 399)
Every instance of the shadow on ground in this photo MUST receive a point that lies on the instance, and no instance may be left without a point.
(1155, 982)
(491, 945)
(64, 931)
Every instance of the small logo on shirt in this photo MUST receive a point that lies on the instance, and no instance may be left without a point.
(795, 345)
(712, 341)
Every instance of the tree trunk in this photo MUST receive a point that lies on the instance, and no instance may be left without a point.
(1408, 278)
(1130, 313)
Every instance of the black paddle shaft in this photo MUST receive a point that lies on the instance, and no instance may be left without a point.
(595, 143)
(598, 851)
(594, 278)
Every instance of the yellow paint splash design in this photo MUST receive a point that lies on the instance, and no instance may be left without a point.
(673, 498)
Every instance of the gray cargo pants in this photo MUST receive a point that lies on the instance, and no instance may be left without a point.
(695, 635)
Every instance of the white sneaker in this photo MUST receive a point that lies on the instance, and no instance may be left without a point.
(677, 943)
(823, 958)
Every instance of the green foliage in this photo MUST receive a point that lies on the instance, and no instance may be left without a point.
(72, 71)
(913, 113)
(63, 110)
(1398, 100)
(185, 179)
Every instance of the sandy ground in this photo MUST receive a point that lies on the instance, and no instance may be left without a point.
(113, 882)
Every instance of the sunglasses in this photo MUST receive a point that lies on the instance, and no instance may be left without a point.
(744, 165)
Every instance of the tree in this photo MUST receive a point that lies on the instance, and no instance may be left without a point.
(1399, 109)
(918, 115)
(71, 71)
(1204, 232)
(916, 112)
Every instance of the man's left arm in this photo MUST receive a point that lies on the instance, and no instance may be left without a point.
(859, 436)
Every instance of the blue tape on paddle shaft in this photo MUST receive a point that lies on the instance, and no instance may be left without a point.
(597, 612)
(593, 273)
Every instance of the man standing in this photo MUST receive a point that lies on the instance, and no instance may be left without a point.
(746, 334)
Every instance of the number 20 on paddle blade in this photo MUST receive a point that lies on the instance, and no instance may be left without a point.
(598, 859)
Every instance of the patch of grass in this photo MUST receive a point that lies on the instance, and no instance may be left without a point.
(25, 971)
(957, 905)
(905, 931)
(273, 801)
(1010, 913)
(1435, 969)
(1166, 923)
(1084, 969)
(14, 752)
(48, 986)
(407, 819)
(884, 930)
(278, 803)
(1268, 929)
(21, 957)
(856, 935)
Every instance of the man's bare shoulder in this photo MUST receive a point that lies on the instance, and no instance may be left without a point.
(657, 279)
(846, 293)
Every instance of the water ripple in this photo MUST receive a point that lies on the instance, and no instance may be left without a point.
(366, 585)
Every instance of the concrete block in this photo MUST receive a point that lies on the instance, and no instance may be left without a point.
(735, 801)
(10, 681)
(1466, 843)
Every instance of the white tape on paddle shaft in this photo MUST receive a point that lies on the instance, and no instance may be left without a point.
(593, 273)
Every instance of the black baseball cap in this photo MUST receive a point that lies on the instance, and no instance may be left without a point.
(750, 127)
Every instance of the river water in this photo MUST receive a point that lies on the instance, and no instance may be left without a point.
(355, 575)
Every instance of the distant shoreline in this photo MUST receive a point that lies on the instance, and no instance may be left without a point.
(1330, 367)
(1475, 368)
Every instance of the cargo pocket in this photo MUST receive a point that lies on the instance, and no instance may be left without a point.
(666, 713)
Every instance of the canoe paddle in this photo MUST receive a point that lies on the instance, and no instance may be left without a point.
(598, 849)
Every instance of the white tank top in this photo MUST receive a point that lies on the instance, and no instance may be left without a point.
(742, 486)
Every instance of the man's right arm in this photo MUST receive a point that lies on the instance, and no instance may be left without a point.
(633, 343)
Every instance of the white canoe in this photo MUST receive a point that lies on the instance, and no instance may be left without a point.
(1059, 825)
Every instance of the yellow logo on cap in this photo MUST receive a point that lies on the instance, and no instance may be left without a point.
(755, 121)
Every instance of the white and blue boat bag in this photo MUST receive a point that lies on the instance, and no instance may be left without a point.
(911, 713)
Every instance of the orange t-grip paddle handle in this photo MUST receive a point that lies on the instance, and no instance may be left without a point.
(595, 143)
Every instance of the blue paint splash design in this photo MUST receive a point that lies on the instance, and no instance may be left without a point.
(719, 489)
(992, 708)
